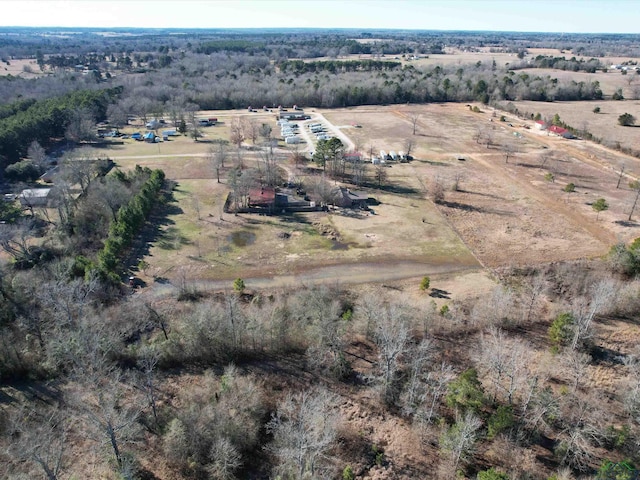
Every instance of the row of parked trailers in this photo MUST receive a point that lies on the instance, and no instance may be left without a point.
(289, 132)
(389, 157)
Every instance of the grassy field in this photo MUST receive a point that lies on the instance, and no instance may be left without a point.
(503, 211)
(603, 125)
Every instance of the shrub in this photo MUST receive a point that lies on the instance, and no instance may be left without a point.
(492, 474)
(626, 120)
(424, 284)
(23, 171)
(570, 187)
(465, 392)
(238, 285)
(596, 110)
(347, 473)
(549, 177)
(501, 420)
(560, 329)
(617, 471)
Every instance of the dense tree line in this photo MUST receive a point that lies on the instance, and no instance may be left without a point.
(130, 218)
(560, 63)
(44, 120)
(298, 67)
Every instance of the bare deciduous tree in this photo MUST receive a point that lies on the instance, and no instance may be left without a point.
(414, 390)
(225, 459)
(81, 126)
(41, 438)
(460, 439)
(392, 334)
(408, 146)
(576, 364)
(600, 299)
(304, 429)
(508, 150)
(414, 118)
(504, 361)
(110, 409)
(14, 239)
(435, 387)
(436, 190)
(147, 361)
(37, 155)
(582, 432)
(237, 134)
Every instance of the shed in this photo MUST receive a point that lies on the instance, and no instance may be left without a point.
(34, 197)
(352, 157)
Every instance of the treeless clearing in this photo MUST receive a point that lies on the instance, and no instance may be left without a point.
(16, 68)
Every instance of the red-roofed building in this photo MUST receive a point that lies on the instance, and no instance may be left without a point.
(561, 132)
(262, 197)
(541, 125)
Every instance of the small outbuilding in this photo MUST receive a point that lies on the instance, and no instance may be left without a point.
(347, 198)
(34, 197)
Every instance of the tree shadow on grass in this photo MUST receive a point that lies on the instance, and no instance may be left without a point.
(153, 229)
(472, 208)
(397, 189)
(627, 223)
(435, 163)
(172, 239)
(461, 190)
(437, 293)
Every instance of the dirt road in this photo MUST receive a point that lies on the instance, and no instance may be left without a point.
(346, 274)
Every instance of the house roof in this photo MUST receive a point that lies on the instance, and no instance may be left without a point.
(558, 130)
(35, 193)
(262, 196)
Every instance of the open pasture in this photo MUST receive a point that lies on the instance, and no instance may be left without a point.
(498, 209)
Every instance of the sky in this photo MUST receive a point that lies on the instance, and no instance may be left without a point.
(568, 16)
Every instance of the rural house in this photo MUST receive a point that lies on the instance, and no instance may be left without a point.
(263, 197)
(347, 198)
(561, 132)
